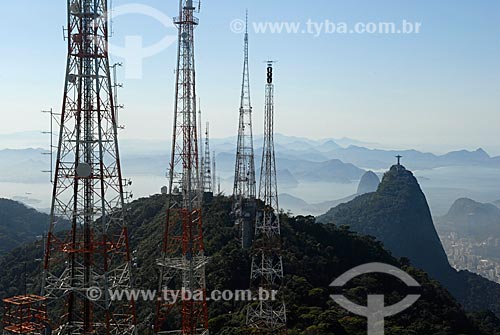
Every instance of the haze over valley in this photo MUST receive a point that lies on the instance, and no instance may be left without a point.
(312, 174)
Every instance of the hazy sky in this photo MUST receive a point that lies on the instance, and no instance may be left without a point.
(436, 90)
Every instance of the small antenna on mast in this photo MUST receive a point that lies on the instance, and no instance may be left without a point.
(116, 85)
(111, 31)
(50, 153)
(246, 22)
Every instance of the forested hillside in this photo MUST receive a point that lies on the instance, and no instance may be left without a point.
(314, 256)
(398, 215)
(19, 224)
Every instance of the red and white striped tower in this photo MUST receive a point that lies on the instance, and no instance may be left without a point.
(182, 263)
(93, 255)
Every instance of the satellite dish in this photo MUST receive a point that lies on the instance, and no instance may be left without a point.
(75, 7)
(83, 170)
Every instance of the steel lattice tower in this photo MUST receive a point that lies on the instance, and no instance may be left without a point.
(182, 264)
(214, 171)
(269, 317)
(208, 186)
(244, 190)
(88, 192)
(200, 149)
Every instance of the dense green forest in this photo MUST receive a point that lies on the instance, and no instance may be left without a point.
(19, 224)
(314, 255)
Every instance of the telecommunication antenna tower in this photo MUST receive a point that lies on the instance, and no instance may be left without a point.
(214, 171)
(208, 186)
(182, 263)
(82, 266)
(244, 191)
(200, 148)
(269, 317)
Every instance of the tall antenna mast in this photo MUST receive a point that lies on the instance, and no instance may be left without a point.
(208, 186)
(200, 148)
(244, 190)
(267, 263)
(182, 262)
(88, 191)
(214, 171)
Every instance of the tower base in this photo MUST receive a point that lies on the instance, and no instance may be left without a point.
(25, 314)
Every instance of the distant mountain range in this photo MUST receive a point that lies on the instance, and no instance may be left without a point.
(415, 160)
(308, 160)
(299, 206)
(304, 166)
(300, 169)
(361, 154)
(24, 165)
(369, 183)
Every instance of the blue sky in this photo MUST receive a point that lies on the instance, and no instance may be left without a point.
(438, 90)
